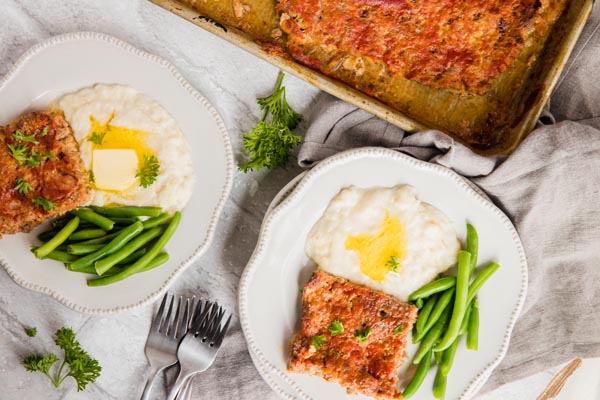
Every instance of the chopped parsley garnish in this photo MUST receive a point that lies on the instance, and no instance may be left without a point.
(269, 142)
(43, 203)
(31, 332)
(21, 137)
(318, 341)
(92, 176)
(81, 367)
(97, 138)
(362, 335)
(48, 154)
(398, 329)
(44, 131)
(336, 328)
(149, 171)
(22, 187)
(393, 264)
(19, 152)
(34, 159)
(336, 352)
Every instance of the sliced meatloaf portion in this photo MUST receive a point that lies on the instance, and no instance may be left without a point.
(41, 172)
(352, 335)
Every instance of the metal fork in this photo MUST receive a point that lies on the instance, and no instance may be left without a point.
(166, 332)
(199, 347)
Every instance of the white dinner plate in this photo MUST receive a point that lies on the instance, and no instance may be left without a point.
(69, 62)
(270, 303)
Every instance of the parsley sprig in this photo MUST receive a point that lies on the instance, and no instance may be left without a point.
(318, 341)
(269, 143)
(20, 153)
(19, 136)
(336, 328)
(149, 171)
(47, 205)
(362, 335)
(81, 367)
(97, 138)
(31, 332)
(393, 263)
(22, 187)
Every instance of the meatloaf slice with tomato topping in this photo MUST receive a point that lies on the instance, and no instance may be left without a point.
(352, 335)
(41, 172)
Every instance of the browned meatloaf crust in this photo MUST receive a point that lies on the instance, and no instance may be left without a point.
(371, 367)
(448, 44)
(54, 171)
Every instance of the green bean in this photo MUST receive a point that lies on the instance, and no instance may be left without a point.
(124, 220)
(115, 244)
(57, 240)
(473, 329)
(86, 234)
(436, 286)
(144, 260)
(448, 357)
(419, 303)
(113, 259)
(432, 336)
(133, 257)
(101, 240)
(472, 246)
(85, 214)
(152, 222)
(425, 312)
(156, 262)
(460, 300)
(440, 306)
(481, 278)
(465, 322)
(61, 256)
(438, 356)
(83, 249)
(86, 270)
(439, 385)
(418, 377)
(128, 211)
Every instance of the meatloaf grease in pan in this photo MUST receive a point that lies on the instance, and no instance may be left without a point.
(370, 368)
(56, 173)
(448, 44)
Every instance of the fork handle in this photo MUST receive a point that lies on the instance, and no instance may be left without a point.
(183, 375)
(150, 381)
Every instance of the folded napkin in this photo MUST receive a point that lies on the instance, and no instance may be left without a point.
(549, 187)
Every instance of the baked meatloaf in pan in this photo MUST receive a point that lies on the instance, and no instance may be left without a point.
(481, 71)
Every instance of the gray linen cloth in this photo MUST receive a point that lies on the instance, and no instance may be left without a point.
(549, 187)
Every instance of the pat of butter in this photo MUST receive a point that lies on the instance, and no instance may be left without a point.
(114, 169)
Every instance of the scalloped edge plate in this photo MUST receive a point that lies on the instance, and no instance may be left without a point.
(295, 386)
(68, 62)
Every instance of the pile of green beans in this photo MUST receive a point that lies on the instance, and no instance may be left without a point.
(448, 310)
(111, 243)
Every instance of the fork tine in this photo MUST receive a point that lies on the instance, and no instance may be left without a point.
(182, 323)
(164, 325)
(223, 331)
(173, 319)
(156, 324)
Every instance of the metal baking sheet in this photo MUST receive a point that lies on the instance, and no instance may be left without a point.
(251, 29)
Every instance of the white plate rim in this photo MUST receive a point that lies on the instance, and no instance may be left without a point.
(200, 250)
(265, 367)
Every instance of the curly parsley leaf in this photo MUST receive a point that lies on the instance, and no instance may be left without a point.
(97, 138)
(149, 171)
(81, 367)
(22, 187)
(318, 341)
(269, 142)
(43, 203)
(19, 152)
(48, 154)
(31, 332)
(19, 136)
(44, 132)
(393, 264)
(362, 335)
(34, 159)
(336, 328)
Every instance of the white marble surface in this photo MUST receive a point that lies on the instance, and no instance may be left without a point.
(230, 79)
